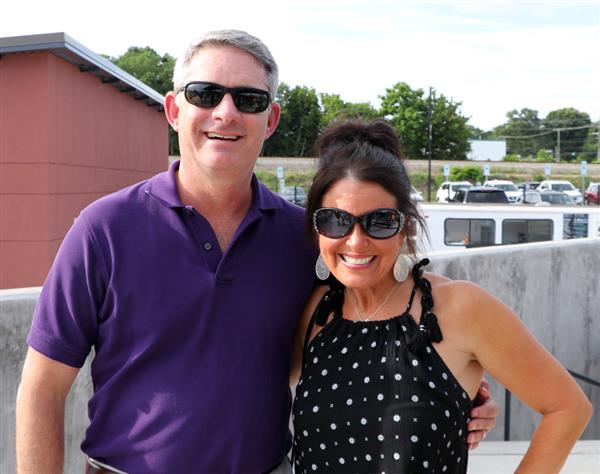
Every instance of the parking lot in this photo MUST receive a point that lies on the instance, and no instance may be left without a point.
(517, 172)
(527, 167)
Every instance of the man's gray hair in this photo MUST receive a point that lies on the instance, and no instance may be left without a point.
(236, 38)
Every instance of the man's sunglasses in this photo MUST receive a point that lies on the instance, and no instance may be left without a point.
(378, 224)
(208, 95)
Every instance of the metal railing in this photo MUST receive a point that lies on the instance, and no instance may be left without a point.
(508, 396)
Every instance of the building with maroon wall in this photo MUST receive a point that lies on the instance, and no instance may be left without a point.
(73, 127)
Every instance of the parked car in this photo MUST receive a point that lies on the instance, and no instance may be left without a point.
(513, 193)
(564, 186)
(592, 194)
(295, 194)
(528, 185)
(481, 194)
(548, 198)
(559, 198)
(448, 189)
(416, 195)
(534, 197)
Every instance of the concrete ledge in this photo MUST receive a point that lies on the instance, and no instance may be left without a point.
(16, 311)
(499, 457)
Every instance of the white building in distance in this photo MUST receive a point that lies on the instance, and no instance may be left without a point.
(487, 150)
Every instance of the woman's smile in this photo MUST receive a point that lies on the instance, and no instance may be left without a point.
(357, 261)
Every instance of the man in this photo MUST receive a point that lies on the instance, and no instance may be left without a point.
(188, 286)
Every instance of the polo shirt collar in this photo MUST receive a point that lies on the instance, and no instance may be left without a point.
(164, 188)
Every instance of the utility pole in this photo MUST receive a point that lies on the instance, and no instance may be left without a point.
(598, 154)
(558, 144)
(429, 140)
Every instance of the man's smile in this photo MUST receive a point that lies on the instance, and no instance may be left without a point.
(218, 136)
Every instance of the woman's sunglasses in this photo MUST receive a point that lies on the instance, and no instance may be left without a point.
(378, 224)
(208, 95)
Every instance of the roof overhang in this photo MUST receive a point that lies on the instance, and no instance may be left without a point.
(65, 47)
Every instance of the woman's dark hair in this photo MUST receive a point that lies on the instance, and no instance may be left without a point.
(369, 152)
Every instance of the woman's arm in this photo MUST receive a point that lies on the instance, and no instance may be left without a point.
(506, 349)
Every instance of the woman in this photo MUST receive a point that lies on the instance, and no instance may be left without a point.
(391, 356)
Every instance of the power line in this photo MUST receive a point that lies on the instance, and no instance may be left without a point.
(554, 130)
(528, 136)
(523, 130)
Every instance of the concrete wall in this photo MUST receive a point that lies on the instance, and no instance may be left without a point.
(16, 309)
(552, 285)
(555, 288)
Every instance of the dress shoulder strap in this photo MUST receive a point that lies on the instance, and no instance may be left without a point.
(429, 329)
(331, 302)
(412, 297)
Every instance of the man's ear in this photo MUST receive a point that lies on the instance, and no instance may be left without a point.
(172, 110)
(273, 119)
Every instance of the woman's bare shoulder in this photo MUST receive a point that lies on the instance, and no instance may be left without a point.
(436, 279)
(459, 294)
(442, 281)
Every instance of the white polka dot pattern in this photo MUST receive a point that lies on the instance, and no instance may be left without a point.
(366, 404)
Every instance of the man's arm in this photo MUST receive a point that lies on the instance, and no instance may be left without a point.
(41, 397)
(483, 415)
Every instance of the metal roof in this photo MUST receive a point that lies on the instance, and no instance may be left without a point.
(65, 47)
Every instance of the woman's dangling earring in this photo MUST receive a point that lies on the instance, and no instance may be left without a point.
(403, 264)
(321, 269)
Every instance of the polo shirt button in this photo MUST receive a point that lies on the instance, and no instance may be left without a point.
(207, 246)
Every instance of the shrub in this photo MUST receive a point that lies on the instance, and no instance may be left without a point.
(544, 156)
(539, 177)
(419, 179)
(466, 173)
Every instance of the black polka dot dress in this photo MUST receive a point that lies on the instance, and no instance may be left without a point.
(370, 400)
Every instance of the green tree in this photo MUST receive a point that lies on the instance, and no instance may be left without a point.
(299, 124)
(407, 110)
(155, 71)
(522, 123)
(450, 132)
(476, 133)
(571, 141)
(149, 67)
(334, 108)
(589, 151)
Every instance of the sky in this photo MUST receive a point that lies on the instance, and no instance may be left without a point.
(493, 56)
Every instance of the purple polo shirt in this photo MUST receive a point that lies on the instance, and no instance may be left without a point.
(192, 345)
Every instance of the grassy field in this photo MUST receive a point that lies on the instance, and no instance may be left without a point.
(300, 171)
